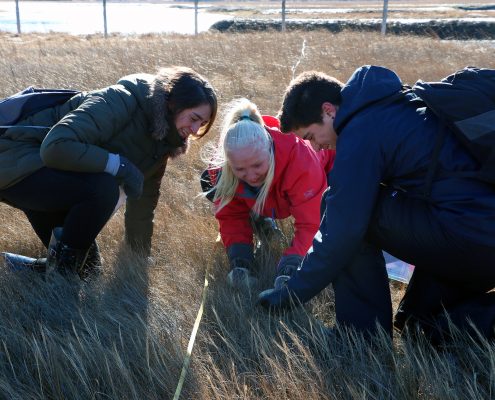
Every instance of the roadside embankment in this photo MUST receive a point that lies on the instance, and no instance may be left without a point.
(460, 29)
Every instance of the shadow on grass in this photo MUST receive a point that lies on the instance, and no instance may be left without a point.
(61, 339)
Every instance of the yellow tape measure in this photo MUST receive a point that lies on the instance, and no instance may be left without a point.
(187, 359)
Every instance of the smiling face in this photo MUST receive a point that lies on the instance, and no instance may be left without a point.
(250, 165)
(321, 135)
(189, 121)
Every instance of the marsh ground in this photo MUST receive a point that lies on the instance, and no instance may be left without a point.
(124, 335)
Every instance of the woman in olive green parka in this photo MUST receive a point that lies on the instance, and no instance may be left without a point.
(68, 175)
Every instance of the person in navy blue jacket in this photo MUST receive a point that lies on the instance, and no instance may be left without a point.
(376, 201)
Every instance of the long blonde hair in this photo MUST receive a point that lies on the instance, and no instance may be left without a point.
(242, 128)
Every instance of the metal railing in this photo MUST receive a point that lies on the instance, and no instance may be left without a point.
(196, 6)
(105, 25)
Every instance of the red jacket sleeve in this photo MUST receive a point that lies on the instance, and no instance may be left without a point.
(306, 181)
(234, 223)
(327, 157)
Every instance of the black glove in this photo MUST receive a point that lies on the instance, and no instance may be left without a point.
(239, 262)
(241, 273)
(131, 178)
(278, 299)
(265, 227)
(286, 267)
(288, 264)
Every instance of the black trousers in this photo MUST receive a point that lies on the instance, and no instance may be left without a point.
(449, 270)
(81, 203)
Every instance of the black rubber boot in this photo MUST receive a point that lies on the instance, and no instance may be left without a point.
(66, 259)
(92, 266)
(62, 258)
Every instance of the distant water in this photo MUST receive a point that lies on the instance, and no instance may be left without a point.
(86, 18)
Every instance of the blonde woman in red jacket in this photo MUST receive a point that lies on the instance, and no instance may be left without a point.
(258, 171)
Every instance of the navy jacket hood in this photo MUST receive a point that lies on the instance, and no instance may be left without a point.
(367, 85)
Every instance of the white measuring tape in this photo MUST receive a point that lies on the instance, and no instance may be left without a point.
(187, 359)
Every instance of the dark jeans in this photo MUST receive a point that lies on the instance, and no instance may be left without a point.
(449, 269)
(81, 203)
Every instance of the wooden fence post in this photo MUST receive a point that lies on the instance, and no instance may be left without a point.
(18, 17)
(384, 17)
(196, 16)
(105, 31)
(283, 15)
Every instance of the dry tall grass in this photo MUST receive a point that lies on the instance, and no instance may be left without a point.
(124, 335)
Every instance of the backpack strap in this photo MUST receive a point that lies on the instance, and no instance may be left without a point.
(31, 100)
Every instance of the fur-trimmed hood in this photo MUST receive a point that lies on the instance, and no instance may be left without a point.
(155, 100)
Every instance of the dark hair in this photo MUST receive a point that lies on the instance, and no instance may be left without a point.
(188, 89)
(301, 105)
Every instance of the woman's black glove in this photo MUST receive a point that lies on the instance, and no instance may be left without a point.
(286, 267)
(131, 178)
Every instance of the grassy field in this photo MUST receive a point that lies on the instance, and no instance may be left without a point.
(125, 334)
